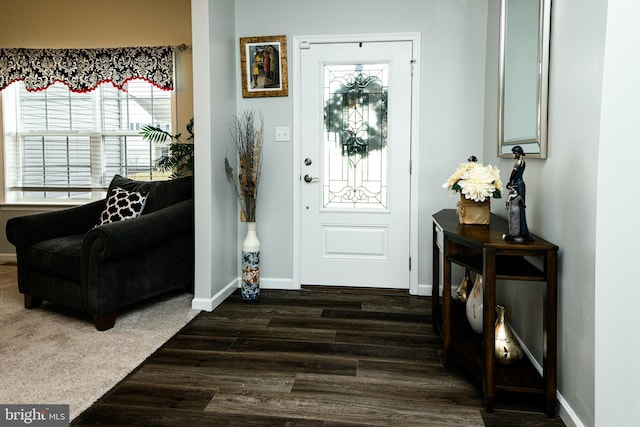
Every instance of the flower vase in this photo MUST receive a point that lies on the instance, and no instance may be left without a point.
(475, 302)
(250, 287)
(507, 348)
(471, 212)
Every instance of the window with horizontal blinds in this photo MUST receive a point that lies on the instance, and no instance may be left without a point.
(62, 145)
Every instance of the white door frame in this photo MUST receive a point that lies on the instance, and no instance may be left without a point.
(295, 84)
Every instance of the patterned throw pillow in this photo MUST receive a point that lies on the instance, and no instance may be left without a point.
(122, 205)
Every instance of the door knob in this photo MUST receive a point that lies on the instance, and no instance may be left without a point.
(309, 178)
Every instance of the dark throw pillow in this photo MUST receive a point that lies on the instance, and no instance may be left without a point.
(161, 193)
(121, 205)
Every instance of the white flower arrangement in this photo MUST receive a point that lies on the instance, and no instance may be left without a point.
(475, 181)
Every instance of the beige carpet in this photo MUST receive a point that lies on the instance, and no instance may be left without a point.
(50, 355)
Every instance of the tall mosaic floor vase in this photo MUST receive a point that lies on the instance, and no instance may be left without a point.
(250, 287)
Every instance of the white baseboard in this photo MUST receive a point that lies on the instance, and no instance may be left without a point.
(8, 258)
(209, 304)
(424, 290)
(566, 413)
(285, 284)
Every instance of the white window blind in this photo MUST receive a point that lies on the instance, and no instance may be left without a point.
(62, 145)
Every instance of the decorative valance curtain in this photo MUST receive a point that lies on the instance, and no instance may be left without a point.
(82, 70)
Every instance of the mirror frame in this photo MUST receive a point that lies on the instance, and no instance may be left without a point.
(544, 27)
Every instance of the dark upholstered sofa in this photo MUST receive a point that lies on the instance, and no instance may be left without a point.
(64, 258)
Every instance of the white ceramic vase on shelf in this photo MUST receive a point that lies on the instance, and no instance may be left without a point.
(250, 287)
(475, 301)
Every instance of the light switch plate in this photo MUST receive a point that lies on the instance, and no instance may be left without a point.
(283, 133)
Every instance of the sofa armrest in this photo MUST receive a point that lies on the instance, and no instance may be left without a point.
(124, 238)
(26, 230)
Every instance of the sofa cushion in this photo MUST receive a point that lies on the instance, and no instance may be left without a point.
(121, 205)
(57, 257)
(161, 193)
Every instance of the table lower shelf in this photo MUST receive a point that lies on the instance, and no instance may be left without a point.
(466, 350)
(507, 267)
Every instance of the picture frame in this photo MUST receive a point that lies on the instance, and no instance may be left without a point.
(263, 61)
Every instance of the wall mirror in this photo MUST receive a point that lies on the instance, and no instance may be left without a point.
(523, 73)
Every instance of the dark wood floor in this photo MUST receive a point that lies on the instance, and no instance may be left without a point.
(315, 357)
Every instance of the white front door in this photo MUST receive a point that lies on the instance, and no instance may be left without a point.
(355, 154)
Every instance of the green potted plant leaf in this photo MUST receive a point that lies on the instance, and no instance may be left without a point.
(179, 157)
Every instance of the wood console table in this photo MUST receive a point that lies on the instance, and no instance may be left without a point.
(481, 249)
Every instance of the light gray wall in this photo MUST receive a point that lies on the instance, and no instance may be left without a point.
(565, 182)
(214, 102)
(451, 101)
(617, 372)
(563, 206)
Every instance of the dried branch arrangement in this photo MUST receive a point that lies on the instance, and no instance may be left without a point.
(247, 130)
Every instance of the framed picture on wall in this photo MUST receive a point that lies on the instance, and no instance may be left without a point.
(263, 61)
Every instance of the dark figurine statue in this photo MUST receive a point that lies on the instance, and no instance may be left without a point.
(516, 202)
